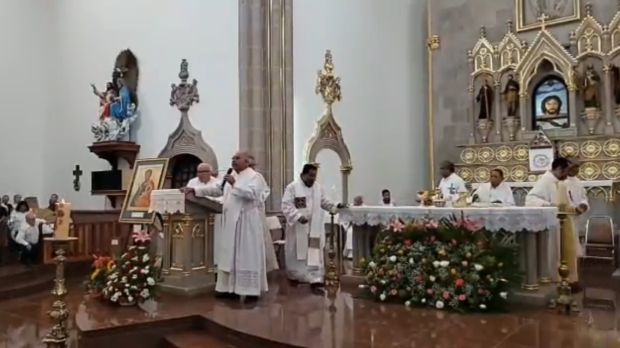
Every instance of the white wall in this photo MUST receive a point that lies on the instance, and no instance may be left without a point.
(379, 51)
(26, 65)
(89, 36)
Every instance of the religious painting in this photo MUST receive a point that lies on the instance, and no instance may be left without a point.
(550, 104)
(148, 176)
(530, 13)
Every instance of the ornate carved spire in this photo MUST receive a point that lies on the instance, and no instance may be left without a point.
(184, 95)
(588, 9)
(483, 32)
(509, 26)
(328, 84)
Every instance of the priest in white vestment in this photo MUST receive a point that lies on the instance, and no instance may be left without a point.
(496, 191)
(578, 196)
(348, 244)
(450, 184)
(386, 198)
(270, 251)
(549, 191)
(241, 266)
(302, 205)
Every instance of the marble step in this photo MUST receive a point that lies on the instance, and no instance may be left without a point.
(195, 339)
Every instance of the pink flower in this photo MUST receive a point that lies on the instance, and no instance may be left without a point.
(141, 236)
(430, 291)
(446, 295)
(373, 289)
(462, 297)
(397, 226)
(394, 292)
(432, 224)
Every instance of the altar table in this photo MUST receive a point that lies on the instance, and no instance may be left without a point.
(530, 225)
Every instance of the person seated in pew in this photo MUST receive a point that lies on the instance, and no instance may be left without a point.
(496, 191)
(29, 238)
(16, 219)
(49, 214)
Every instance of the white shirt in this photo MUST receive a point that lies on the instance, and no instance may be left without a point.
(544, 193)
(196, 183)
(488, 194)
(29, 235)
(576, 192)
(451, 187)
(391, 204)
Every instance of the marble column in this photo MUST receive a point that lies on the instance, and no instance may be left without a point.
(531, 268)
(525, 123)
(542, 241)
(608, 101)
(497, 85)
(472, 114)
(572, 106)
(266, 90)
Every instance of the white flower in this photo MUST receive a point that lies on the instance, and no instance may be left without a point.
(444, 263)
(503, 295)
(432, 278)
(483, 306)
(382, 297)
(145, 258)
(372, 264)
(144, 293)
(135, 258)
(135, 276)
(150, 281)
(126, 292)
(383, 282)
(436, 264)
(393, 258)
(130, 299)
(439, 305)
(408, 303)
(114, 297)
(423, 300)
(113, 276)
(478, 267)
(411, 261)
(124, 280)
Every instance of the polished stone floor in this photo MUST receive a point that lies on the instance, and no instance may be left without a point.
(294, 316)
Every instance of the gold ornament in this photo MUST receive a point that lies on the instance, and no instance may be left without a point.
(468, 155)
(485, 154)
(521, 153)
(466, 174)
(482, 174)
(589, 171)
(569, 149)
(532, 178)
(590, 149)
(519, 173)
(611, 170)
(612, 148)
(503, 153)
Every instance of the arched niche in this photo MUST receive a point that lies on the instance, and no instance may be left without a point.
(549, 107)
(328, 136)
(187, 141)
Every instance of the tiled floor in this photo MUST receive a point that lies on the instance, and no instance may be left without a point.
(295, 316)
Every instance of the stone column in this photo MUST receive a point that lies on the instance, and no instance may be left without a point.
(572, 106)
(531, 254)
(525, 123)
(498, 110)
(472, 114)
(266, 90)
(544, 273)
(608, 104)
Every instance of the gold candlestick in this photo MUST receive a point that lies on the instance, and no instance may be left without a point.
(564, 302)
(58, 335)
(332, 280)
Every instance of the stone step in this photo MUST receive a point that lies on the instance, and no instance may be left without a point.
(21, 288)
(195, 339)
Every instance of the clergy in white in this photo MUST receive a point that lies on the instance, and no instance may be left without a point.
(495, 191)
(348, 244)
(578, 196)
(241, 269)
(548, 191)
(270, 251)
(451, 184)
(302, 206)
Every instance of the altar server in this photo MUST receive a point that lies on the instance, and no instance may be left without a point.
(495, 191)
(302, 206)
(451, 184)
(241, 266)
(270, 251)
(578, 195)
(386, 198)
(348, 244)
(550, 190)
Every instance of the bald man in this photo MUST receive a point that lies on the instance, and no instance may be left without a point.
(241, 266)
(204, 176)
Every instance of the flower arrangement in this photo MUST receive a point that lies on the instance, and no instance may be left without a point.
(102, 266)
(452, 264)
(135, 278)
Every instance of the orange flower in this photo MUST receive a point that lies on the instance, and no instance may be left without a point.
(460, 282)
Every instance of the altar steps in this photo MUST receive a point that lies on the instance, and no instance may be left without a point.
(195, 339)
(18, 281)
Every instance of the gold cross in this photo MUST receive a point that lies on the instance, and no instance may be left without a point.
(542, 19)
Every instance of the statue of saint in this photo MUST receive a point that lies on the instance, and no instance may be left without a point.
(105, 99)
(591, 88)
(511, 95)
(485, 99)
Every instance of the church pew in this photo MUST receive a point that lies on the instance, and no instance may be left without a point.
(95, 231)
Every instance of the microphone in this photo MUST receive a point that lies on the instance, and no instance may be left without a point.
(228, 172)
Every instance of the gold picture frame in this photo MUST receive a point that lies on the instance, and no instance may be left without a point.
(523, 25)
(148, 175)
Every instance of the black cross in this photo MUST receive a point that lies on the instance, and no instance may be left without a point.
(77, 172)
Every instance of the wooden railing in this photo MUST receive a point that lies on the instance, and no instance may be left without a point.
(96, 231)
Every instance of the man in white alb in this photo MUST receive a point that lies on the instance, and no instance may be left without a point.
(551, 191)
(241, 266)
(204, 177)
(270, 252)
(386, 198)
(495, 191)
(302, 205)
(348, 244)
(450, 184)
(578, 196)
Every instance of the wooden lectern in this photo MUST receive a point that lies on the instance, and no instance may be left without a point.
(188, 253)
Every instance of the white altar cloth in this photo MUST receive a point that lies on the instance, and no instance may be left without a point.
(167, 201)
(515, 219)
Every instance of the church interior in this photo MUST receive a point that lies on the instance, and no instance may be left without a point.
(102, 243)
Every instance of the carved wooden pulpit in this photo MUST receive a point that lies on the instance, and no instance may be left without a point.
(188, 253)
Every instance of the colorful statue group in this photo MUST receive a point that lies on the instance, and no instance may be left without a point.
(119, 102)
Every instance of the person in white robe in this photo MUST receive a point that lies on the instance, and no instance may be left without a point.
(28, 237)
(450, 184)
(550, 191)
(578, 196)
(348, 244)
(241, 266)
(302, 206)
(270, 251)
(386, 199)
(496, 191)
(204, 178)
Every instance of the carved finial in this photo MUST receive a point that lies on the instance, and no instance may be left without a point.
(542, 20)
(483, 32)
(184, 95)
(327, 84)
(589, 9)
(509, 26)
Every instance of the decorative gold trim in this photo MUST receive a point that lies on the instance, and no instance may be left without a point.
(521, 26)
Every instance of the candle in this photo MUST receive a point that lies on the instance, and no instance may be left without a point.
(63, 220)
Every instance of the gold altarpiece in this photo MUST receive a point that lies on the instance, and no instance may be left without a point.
(584, 122)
